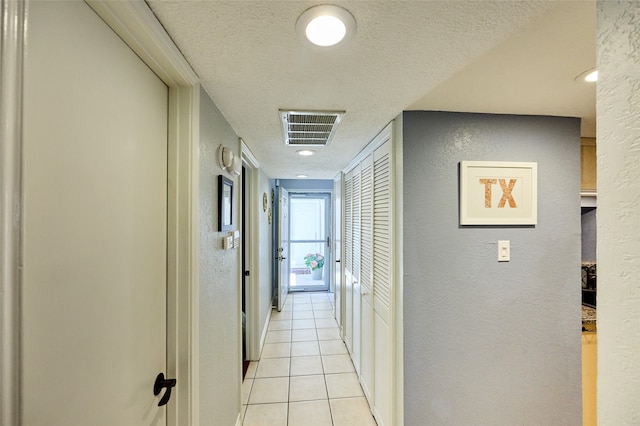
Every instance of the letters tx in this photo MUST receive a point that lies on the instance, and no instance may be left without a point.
(507, 197)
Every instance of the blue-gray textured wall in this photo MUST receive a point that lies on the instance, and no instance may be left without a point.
(490, 343)
(589, 233)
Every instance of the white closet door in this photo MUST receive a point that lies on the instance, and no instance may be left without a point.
(366, 276)
(383, 300)
(355, 353)
(348, 260)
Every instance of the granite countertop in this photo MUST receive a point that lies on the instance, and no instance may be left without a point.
(588, 318)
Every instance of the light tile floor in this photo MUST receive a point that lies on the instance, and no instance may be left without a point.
(305, 376)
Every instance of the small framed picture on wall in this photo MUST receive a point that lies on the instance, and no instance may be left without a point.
(225, 203)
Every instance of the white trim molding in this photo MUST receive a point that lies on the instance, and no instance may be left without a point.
(248, 156)
(254, 336)
(13, 17)
(136, 24)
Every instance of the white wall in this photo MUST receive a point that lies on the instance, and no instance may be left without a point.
(220, 327)
(618, 106)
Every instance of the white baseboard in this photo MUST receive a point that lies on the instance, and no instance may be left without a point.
(263, 335)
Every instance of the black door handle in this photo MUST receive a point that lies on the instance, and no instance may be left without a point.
(338, 261)
(160, 383)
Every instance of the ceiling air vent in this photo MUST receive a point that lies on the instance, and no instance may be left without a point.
(309, 128)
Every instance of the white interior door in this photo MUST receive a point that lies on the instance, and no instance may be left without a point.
(348, 261)
(355, 272)
(366, 277)
(95, 219)
(283, 246)
(383, 299)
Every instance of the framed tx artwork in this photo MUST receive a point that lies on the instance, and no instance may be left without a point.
(498, 193)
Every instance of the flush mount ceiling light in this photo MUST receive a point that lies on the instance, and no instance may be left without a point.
(590, 76)
(326, 25)
(305, 152)
(302, 176)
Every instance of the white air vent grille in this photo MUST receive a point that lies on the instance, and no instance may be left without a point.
(309, 128)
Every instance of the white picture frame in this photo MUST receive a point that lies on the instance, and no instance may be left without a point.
(498, 193)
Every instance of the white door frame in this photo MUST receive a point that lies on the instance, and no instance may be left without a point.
(252, 235)
(136, 24)
(13, 14)
(338, 250)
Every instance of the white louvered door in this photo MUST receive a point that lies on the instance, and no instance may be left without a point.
(348, 260)
(369, 273)
(383, 300)
(356, 348)
(366, 276)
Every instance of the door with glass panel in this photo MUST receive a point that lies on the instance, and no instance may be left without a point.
(309, 242)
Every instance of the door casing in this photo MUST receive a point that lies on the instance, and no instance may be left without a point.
(252, 249)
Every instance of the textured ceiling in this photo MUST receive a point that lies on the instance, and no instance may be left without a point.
(481, 56)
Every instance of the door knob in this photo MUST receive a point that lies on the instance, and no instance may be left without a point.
(160, 383)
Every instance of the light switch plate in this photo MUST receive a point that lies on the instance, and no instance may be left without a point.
(227, 242)
(504, 251)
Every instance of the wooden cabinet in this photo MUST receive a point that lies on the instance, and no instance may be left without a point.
(588, 172)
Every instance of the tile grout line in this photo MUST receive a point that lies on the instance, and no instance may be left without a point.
(290, 354)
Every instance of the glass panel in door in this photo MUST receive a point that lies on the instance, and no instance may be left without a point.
(308, 241)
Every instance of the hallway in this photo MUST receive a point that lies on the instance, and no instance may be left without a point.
(305, 376)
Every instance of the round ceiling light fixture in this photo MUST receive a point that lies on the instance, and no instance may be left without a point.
(589, 76)
(326, 25)
(305, 152)
(592, 76)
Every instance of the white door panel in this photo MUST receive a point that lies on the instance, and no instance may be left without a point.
(355, 270)
(348, 261)
(366, 277)
(383, 301)
(95, 196)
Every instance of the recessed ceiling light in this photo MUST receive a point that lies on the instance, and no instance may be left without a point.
(326, 25)
(305, 152)
(302, 176)
(590, 76)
